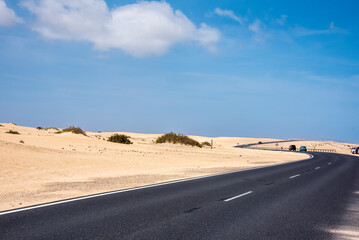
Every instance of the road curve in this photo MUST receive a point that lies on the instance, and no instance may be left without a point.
(300, 200)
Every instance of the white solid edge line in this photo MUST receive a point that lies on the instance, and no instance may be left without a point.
(238, 196)
(138, 188)
(294, 176)
(317, 167)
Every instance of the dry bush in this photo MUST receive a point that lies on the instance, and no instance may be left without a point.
(177, 138)
(119, 138)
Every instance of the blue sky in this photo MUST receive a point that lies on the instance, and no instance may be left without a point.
(279, 69)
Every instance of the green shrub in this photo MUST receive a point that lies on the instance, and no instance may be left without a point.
(13, 132)
(177, 138)
(41, 128)
(206, 144)
(1, 125)
(73, 129)
(21, 141)
(119, 138)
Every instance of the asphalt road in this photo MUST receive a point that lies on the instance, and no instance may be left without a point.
(300, 200)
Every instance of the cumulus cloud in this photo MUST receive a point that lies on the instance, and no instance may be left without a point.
(140, 29)
(228, 13)
(7, 15)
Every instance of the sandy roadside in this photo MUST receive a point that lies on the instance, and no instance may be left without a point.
(38, 166)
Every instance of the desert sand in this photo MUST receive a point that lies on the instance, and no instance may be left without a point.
(38, 166)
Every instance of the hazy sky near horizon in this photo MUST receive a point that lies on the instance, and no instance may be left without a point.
(270, 68)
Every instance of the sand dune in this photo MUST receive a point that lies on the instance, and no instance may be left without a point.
(39, 166)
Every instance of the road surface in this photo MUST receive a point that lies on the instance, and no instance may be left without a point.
(302, 200)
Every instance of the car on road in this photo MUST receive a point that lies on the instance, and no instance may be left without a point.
(292, 148)
(303, 148)
(355, 150)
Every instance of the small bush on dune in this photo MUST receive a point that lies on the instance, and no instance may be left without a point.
(1, 125)
(177, 138)
(206, 144)
(119, 138)
(13, 132)
(73, 129)
(41, 128)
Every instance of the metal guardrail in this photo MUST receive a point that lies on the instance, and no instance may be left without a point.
(322, 150)
(261, 146)
(286, 149)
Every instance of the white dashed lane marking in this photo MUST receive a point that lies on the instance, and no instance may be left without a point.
(238, 196)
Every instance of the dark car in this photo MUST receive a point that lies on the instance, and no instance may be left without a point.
(292, 148)
(303, 149)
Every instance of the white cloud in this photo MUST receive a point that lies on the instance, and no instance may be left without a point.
(228, 13)
(282, 20)
(7, 15)
(332, 27)
(140, 29)
(301, 31)
(255, 26)
(351, 80)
